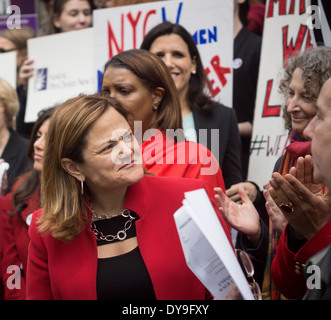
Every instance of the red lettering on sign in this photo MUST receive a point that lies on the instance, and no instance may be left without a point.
(269, 111)
(111, 38)
(282, 7)
(302, 7)
(145, 21)
(138, 26)
(290, 49)
(220, 71)
(134, 25)
(210, 83)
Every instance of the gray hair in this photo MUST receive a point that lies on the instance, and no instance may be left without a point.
(315, 64)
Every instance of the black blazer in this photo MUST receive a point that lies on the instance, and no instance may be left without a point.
(15, 154)
(229, 155)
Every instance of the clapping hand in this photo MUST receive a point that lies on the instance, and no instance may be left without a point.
(304, 205)
(276, 215)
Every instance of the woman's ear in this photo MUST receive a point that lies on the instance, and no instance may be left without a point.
(72, 168)
(157, 96)
(56, 21)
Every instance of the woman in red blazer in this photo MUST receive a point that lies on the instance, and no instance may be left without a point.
(16, 213)
(106, 230)
(142, 83)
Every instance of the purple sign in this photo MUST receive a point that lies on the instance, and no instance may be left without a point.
(26, 6)
(27, 20)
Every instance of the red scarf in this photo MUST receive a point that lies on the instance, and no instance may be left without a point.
(297, 148)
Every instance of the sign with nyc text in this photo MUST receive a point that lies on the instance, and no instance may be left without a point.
(285, 32)
(210, 23)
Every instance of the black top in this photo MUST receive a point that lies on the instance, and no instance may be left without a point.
(246, 62)
(15, 154)
(24, 128)
(229, 146)
(125, 276)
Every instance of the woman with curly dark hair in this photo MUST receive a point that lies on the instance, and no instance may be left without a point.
(302, 81)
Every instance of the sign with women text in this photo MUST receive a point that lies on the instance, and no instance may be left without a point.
(209, 22)
(286, 31)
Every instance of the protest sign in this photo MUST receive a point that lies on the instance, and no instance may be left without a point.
(63, 68)
(8, 67)
(285, 32)
(209, 22)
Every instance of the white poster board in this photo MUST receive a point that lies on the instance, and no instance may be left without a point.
(63, 68)
(210, 22)
(8, 67)
(285, 31)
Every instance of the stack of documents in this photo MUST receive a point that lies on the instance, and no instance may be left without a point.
(206, 247)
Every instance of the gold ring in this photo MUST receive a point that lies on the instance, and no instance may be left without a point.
(287, 207)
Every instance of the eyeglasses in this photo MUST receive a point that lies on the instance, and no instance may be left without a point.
(2, 50)
(248, 268)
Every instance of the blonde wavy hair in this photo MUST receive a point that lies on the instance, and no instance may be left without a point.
(9, 98)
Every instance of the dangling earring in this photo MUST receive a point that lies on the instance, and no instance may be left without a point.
(82, 187)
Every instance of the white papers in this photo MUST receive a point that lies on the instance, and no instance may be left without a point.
(8, 67)
(63, 68)
(207, 250)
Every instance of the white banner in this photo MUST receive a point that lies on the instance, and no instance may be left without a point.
(285, 32)
(63, 68)
(8, 67)
(210, 22)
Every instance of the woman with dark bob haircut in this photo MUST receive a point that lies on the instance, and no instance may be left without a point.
(176, 47)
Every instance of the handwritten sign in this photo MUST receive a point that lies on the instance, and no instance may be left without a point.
(285, 32)
(122, 28)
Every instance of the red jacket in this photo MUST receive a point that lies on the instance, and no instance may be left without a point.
(15, 241)
(59, 270)
(186, 159)
(287, 267)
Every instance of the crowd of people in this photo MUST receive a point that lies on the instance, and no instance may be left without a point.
(87, 203)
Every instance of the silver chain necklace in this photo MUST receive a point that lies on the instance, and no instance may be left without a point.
(121, 234)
